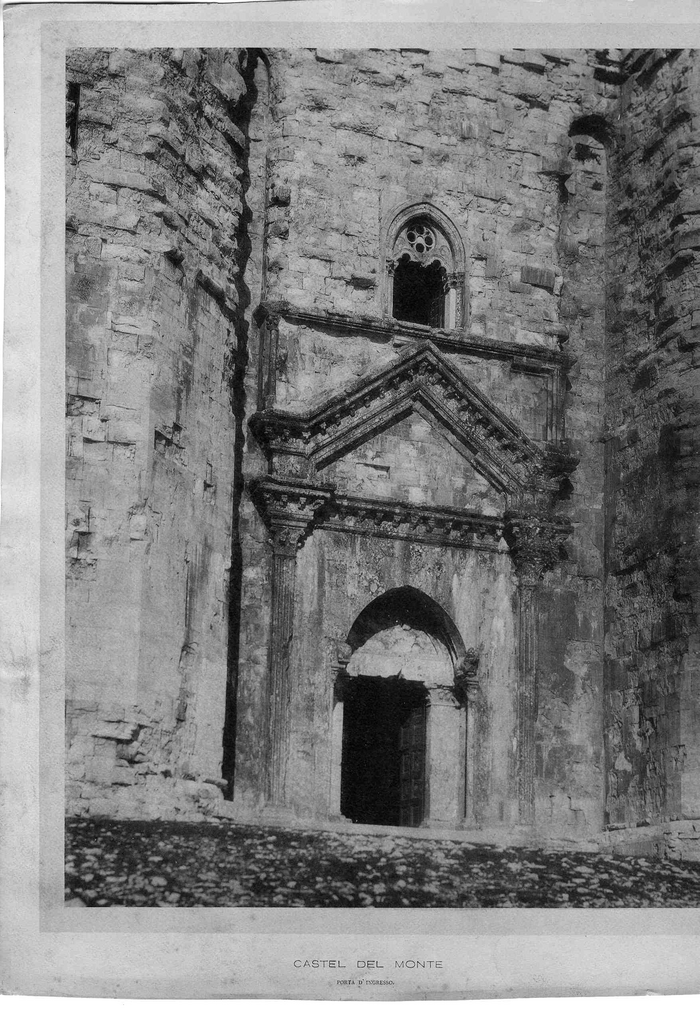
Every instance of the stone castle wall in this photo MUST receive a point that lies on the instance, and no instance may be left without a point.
(204, 185)
(155, 198)
(653, 432)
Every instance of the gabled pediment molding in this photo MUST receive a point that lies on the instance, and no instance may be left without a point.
(420, 380)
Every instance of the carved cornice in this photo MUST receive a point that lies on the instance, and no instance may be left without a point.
(420, 380)
(423, 524)
(536, 544)
(292, 509)
(448, 340)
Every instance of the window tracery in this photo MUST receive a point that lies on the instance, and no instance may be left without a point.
(421, 238)
(425, 268)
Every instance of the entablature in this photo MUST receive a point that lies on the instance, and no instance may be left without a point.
(534, 539)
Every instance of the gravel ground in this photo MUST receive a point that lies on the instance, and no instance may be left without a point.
(159, 864)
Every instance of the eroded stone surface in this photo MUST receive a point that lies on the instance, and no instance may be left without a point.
(232, 229)
(653, 445)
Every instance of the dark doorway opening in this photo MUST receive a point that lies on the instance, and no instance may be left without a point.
(383, 762)
(419, 293)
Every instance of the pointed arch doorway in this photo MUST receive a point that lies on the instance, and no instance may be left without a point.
(399, 727)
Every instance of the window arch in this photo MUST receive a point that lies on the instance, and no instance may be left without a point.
(425, 267)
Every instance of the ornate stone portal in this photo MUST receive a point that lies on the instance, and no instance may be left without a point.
(300, 496)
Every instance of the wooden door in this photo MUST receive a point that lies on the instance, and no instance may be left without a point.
(412, 768)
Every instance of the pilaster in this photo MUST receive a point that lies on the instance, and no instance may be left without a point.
(536, 547)
(443, 749)
(290, 511)
(267, 381)
(468, 690)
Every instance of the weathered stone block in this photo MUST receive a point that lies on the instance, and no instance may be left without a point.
(330, 56)
(536, 276)
(118, 731)
(221, 70)
(484, 58)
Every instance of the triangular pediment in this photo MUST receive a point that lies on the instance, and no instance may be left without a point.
(419, 381)
(415, 460)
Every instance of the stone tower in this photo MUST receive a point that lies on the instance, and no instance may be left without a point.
(383, 438)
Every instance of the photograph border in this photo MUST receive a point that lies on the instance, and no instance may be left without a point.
(224, 952)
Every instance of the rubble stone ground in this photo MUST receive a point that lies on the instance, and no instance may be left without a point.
(224, 864)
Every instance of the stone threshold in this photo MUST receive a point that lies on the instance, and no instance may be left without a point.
(497, 836)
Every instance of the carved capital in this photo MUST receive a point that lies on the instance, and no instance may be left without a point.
(468, 665)
(536, 545)
(290, 510)
(287, 537)
(466, 682)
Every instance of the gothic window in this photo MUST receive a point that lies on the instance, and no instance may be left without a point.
(420, 281)
(425, 268)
